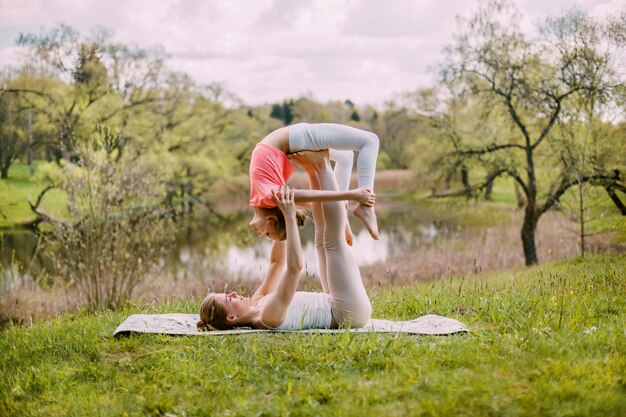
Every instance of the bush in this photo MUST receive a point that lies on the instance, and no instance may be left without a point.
(118, 229)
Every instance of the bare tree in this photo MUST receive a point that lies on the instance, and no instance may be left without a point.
(532, 80)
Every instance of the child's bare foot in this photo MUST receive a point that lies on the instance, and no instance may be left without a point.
(310, 159)
(368, 216)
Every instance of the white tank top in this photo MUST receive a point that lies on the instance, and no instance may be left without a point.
(308, 310)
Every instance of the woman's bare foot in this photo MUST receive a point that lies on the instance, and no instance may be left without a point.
(368, 216)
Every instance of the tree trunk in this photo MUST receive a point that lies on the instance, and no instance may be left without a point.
(488, 190)
(465, 181)
(528, 236)
(581, 216)
(4, 172)
(521, 201)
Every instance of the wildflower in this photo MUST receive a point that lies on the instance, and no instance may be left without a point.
(553, 298)
(591, 330)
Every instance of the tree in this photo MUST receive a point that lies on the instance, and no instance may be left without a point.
(100, 81)
(587, 144)
(283, 111)
(532, 80)
(13, 132)
(398, 129)
(20, 128)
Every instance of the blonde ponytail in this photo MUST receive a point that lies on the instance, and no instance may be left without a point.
(302, 217)
(203, 326)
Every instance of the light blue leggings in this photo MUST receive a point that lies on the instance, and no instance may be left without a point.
(342, 141)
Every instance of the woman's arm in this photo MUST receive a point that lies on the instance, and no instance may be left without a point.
(277, 262)
(361, 195)
(275, 308)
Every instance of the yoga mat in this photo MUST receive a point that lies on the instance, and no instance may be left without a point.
(185, 324)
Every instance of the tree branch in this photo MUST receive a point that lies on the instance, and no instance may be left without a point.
(606, 179)
(519, 180)
(489, 149)
(553, 117)
(615, 198)
(468, 192)
(41, 215)
(517, 119)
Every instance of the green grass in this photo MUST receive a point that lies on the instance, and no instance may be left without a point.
(15, 192)
(548, 340)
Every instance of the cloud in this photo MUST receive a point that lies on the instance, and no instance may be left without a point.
(365, 50)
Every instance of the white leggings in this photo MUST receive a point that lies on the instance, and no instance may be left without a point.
(342, 141)
(339, 272)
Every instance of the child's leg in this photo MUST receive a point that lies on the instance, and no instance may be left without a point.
(318, 136)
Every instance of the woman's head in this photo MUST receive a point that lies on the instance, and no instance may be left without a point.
(220, 311)
(270, 222)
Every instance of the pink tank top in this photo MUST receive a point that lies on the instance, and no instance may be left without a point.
(269, 169)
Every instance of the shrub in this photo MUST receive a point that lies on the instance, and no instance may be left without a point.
(118, 229)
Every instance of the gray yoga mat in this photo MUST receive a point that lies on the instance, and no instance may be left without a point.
(185, 324)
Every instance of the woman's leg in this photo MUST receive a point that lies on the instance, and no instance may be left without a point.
(343, 167)
(318, 219)
(319, 136)
(351, 306)
(343, 173)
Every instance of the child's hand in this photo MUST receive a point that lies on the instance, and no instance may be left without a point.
(286, 202)
(365, 197)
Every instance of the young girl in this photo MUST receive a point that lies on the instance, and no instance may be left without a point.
(276, 304)
(270, 168)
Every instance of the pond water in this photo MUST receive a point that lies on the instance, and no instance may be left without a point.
(228, 245)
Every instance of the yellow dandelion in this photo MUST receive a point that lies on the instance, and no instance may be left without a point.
(553, 298)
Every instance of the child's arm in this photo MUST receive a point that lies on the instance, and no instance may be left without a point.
(362, 195)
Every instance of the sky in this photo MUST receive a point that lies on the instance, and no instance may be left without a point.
(264, 51)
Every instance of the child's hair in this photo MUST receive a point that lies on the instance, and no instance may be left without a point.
(302, 218)
(212, 315)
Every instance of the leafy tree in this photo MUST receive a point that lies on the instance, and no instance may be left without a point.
(532, 80)
(13, 131)
(21, 128)
(398, 129)
(100, 80)
(283, 111)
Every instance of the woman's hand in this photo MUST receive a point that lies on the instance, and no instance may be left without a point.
(364, 196)
(286, 202)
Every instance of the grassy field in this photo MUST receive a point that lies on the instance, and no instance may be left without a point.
(549, 340)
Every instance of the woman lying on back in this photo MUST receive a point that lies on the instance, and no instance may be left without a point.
(276, 304)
